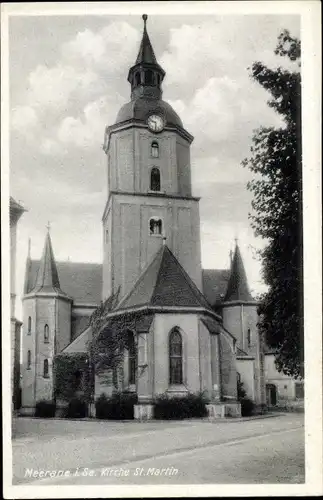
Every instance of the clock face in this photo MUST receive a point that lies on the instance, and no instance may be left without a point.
(155, 123)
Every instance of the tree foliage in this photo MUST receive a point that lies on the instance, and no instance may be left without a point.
(276, 162)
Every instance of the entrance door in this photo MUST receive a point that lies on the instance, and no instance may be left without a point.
(271, 391)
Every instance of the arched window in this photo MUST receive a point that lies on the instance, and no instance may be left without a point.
(155, 226)
(29, 325)
(249, 337)
(175, 358)
(149, 77)
(131, 358)
(46, 371)
(155, 179)
(137, 78)
(46, 334)
(155, 149)
(28, 360)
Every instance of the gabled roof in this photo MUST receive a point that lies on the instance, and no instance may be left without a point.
(47, 277)
(238, 289)
(164, 283)
(215, 283)
(82, 281)
(146, 52)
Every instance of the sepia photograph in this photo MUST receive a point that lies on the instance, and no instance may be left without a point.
(155, 179)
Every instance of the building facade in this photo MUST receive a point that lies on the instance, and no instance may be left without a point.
(15, 212)
(189, 329)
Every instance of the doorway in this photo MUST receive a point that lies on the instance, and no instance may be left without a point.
(271, 391)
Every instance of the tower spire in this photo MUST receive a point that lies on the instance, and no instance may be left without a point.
(146, 75)
(238, 288)
(47, 277)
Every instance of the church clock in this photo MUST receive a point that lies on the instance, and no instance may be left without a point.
(155, 123)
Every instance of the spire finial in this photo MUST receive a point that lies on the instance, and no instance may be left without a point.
(48, 227)
(29, 247)
(145, 17)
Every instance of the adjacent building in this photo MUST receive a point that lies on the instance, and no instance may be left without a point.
(15, 212)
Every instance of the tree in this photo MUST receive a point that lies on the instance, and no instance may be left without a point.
(276, 161)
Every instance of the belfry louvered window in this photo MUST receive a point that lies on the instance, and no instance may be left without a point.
(175, 358)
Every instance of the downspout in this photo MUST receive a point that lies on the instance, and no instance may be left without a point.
(242, 327)
(54, 349)
(36, 351)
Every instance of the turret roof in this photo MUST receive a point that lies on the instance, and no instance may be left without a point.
(238, 289)
(146, 52)
(47, 277)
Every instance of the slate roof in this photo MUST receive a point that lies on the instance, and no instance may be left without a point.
(215, 282)
(82, 281)
(164, 283)
(47, 276)
(78, 325)
(238, 289)
(146, 52)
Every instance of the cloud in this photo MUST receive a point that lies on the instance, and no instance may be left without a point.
(77, 87)
(88, 129)
(110, 48)
(23, 118)
(52, 87)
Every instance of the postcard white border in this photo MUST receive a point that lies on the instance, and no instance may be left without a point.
(310, 12)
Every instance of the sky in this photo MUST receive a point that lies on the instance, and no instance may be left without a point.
(67, 81)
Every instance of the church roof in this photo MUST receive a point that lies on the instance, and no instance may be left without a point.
(146, 52)
(47, 279)
(238, 289)
(215, 282)
(82, 281)
(164, 283)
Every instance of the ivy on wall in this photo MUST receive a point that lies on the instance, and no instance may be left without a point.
(73, 377)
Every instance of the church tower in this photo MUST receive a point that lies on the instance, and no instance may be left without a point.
(46, 328)
(239, 307)
(240, 317)
(149, 182)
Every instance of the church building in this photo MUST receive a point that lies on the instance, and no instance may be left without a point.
(191, 329)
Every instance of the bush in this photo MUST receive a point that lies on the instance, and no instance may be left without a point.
(77, 408)
(247, 407)
(45, 409)
(117, 407)
(171, 408)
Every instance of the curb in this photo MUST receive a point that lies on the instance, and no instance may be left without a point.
(184, 421)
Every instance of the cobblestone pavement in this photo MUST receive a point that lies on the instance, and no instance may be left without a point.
(269, 450)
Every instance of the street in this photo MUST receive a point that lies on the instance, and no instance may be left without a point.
(265, 450)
